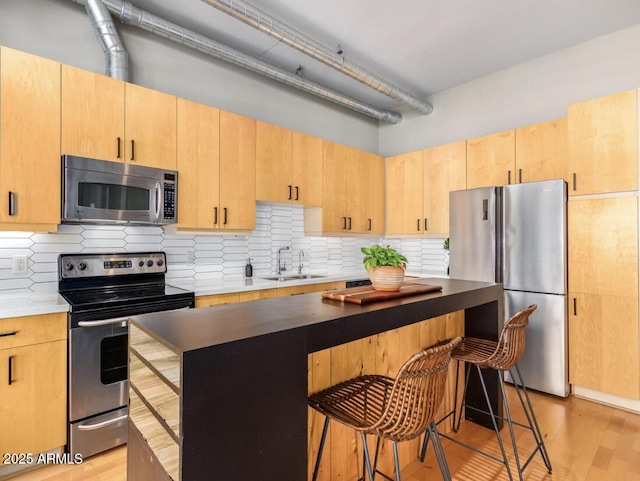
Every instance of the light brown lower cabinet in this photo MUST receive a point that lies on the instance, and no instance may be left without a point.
(33, 383)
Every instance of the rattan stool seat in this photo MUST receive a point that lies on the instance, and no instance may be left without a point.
(397, 409)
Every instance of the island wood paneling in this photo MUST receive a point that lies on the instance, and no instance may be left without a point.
(380, 354)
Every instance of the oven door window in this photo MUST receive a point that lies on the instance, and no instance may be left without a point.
(112, 196)
(113, 359)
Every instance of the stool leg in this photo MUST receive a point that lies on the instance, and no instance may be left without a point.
(365, 450)
(375, 459)
(396, 460)
(321, 448)
(493, 420)
(510, 423)
(531, 418)
(432, 432)
(456, 424)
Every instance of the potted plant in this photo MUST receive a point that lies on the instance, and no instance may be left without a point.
(385, 266)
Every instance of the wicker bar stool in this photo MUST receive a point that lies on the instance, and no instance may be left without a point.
(501, 356)
(397, 409)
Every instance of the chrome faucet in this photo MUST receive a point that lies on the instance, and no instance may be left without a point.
(281, 265)
(300, 257)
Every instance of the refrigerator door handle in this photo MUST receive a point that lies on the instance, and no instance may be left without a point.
(485, 209)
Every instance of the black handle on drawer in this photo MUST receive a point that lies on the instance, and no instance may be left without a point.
(215, 215)
(119, 149)
(224, 222)
(12, 203)
(7, 334)
(297, 193)
(290, 192)
(10, 370)
(133, 149)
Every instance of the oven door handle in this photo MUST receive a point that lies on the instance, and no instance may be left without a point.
(105, 322)
(94, 426)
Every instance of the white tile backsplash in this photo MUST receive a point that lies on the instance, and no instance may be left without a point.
(215, 257)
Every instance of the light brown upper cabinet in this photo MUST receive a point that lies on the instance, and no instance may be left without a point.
(109, 119)
(237, 172)
(345, 185)
(373, 167)
(444, 170)
(604, 352)
(404, 194)
(541, 151)
(288, 166)
(603, 144)
(491, 160)
(29, 142)
(198, 166)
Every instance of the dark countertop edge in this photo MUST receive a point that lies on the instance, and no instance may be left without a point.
(183, 331)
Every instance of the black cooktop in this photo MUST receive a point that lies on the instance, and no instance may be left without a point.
(112, 296)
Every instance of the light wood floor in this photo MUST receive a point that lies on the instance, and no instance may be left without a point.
(586, 442)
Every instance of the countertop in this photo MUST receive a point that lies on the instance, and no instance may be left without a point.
(31, 304)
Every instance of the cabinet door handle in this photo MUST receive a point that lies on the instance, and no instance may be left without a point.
(290, 192)
(519, 176)
(224, 222)
(508, 176)
(12, 203)
(425, 224)
(344, 223)
(575, 306)
(133, 149)
(119, 149)
(369, 224)
(10, 370)
(418, 225)
(575, 183)
(349, 222)
(7, 334)
(297, 193)
(215, 215)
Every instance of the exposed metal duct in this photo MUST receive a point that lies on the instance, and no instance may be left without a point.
(288, 35)
(132, 15)
(116, 55)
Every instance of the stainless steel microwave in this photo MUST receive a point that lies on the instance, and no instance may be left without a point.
(103, 192)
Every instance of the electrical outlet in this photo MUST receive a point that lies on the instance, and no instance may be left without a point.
(191, 257)
(20, 265)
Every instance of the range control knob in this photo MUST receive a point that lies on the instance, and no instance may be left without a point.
(82, 266)
(149, 263)
(159, 262)
(141, 263)
(69, 267)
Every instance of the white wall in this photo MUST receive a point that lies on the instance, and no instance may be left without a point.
(528, 93)
(60, 30)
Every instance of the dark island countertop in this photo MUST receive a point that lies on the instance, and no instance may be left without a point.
(327, 322)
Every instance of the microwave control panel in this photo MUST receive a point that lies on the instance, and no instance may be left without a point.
(169, 210)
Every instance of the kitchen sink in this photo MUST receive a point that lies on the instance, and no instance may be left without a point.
(295, 277)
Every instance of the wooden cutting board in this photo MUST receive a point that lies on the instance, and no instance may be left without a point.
(366, 294)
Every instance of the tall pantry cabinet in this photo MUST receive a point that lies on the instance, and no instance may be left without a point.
(604, 347)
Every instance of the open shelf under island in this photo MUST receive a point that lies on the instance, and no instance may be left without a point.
(221, 392)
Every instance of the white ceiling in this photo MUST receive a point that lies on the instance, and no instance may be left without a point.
(423, 46)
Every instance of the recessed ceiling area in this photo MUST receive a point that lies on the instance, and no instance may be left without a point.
(423, 46)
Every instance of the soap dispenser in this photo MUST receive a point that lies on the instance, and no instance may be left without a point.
(248, 269)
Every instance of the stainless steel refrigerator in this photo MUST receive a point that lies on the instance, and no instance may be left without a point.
(517, 235)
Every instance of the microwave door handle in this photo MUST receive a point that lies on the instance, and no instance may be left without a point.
(158, 186)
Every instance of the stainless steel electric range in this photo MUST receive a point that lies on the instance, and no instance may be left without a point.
(103, 291)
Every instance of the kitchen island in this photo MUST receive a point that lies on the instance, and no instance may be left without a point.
(237, 376)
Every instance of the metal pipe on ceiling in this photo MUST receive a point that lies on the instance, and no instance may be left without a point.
(279, 30)
(132, 15)
(115, 53)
